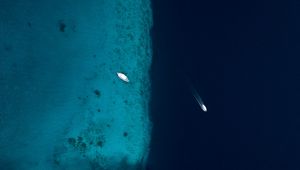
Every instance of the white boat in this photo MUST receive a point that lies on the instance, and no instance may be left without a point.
(123, 77)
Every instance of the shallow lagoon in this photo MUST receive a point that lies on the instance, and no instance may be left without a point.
(62, 104)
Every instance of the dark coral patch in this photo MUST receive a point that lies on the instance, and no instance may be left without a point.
(83, 145)
(62, 26)
(125, 134)
(72, 141)
(100, 143)
(97, 93)
(80, 139)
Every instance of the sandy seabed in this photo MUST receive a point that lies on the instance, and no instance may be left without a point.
(62, 104)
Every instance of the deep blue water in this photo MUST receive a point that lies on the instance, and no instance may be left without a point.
(243, 58)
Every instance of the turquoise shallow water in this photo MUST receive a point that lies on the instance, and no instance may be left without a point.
(62, 104)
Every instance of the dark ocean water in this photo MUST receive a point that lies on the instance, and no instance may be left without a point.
(243, 58)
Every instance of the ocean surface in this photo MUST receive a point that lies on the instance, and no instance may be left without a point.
(243, 59)
(62, 103)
